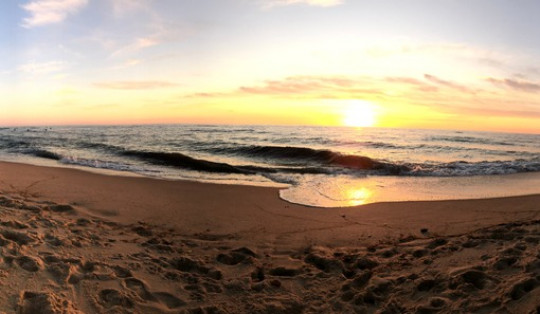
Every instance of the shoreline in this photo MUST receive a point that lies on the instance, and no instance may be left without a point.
(73, 241)
(224, 208)
(356, 191)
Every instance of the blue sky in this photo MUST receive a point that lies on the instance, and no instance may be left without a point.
(143, 61)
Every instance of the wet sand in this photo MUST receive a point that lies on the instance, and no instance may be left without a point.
(78, 241)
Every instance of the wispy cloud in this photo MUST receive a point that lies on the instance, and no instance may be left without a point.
(493, 109)
(310, 86)
(134, 85)
(42, 68)
(439, 81)
(207, 95)
(318, 3)
(123, 7)
(520, 85)
(348, 86)
(136, 45)
(327, 87)
(43, 12)
(420, 85)
(127, 64)
(302, 86)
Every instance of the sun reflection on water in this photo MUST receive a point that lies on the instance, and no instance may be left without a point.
(358, 196)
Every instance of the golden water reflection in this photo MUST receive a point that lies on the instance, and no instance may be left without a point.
(358, 196)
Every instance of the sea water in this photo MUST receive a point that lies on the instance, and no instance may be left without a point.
(319, 166)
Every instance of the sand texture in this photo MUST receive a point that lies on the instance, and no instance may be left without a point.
(66, 256)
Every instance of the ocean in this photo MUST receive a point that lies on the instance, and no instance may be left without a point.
(316, 166)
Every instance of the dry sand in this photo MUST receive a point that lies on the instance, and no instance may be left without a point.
(75, 241)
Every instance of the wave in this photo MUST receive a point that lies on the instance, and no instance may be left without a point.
(382, 145)
(176, 160)
(44, 154)
(103, 164)
(179, 160)
(470, 139)
(213, 129)
(329, 163)
(85, 162)
(310, 161)
(304, 155)
(98, 146)
(11, 143)
(463, 168)
(183, 161)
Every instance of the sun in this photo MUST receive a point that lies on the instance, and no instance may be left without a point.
(359, 113)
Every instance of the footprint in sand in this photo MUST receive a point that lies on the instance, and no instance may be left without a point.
(111, 297)
(43, 302)
(18, 237)
(14, 224)
(504, 262)
(324, 263)
(53, 240)
(122, 272)
(61, 271)
(237, 256)
(59, 208)
(141, 289)
(169, 300)
(142, 231)
(521, 288)
(83, 222)
(28, 263)
(284, 272)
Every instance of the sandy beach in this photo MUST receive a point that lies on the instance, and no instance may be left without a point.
(269, 156)
(74, 241)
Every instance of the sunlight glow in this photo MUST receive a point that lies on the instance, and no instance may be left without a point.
(358, 196)
(359, 113)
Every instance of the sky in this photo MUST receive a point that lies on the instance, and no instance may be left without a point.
(451, 64)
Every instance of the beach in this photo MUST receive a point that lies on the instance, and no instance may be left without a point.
(76, 241)
(269, 156)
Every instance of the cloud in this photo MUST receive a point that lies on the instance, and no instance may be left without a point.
(405, 80)
(42, 68)
(123, 7)
(127, 64)
(302, 86)
(206, 95)
(491, 110)
(133, 85)
(520, 85)
(421, 86)
(533, 70)
(331, 86)
(136, 45)
(449, 84)
(43, 12)
(317, 3)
